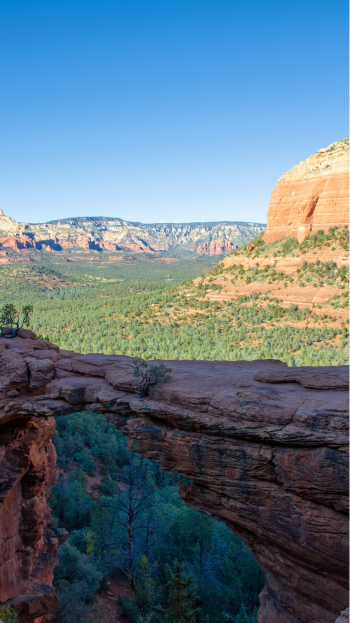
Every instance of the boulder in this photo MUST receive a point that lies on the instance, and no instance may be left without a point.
(41, 371)
(8, 332)
(27, 334)
(13, 370)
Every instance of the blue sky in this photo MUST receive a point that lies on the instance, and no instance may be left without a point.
(164, 110)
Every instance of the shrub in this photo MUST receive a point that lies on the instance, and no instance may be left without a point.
(8, 615)
(150, 375)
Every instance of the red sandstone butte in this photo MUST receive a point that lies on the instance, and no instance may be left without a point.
(216, 247)
(264, 446)
(311, 196)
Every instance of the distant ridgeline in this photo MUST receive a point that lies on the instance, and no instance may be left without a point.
(114, 236)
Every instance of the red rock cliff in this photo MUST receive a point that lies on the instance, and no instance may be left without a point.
(264, 445)
(312, 195)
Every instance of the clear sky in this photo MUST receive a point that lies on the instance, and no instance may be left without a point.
(164, 110)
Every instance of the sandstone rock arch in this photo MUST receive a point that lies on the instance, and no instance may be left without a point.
(263, 444)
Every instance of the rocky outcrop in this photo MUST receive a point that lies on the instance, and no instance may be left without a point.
(311, 196)
(114, 235)
(7, 224)
(216, 247)
(264, 448)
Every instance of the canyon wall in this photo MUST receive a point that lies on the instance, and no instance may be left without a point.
(311, 196)
(116, 235)
(216, 247)
(264, 446)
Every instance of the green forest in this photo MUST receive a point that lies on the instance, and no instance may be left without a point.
(155, 312)
(131, 525)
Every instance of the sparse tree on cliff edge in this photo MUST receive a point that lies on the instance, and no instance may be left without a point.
(16, 319)
(150, 375)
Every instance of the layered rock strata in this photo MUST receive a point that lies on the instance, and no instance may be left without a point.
(264, 447)
(216, 247)
(115, 235)
(313, 195)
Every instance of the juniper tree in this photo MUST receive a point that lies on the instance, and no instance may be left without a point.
(14, 318)
(149, 375)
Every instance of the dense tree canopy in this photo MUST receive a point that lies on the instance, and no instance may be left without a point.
(132, 524)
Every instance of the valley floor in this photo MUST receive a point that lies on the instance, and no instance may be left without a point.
(284, 301)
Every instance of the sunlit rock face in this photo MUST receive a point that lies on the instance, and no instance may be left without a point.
(264, 447)
(99, 233)
(313, 195)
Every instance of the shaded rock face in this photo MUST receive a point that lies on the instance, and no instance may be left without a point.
(28, 546)
(264, 446)
(312, 195)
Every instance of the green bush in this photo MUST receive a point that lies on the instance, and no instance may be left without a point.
(8, 615)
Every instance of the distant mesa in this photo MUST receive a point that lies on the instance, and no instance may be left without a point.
(313, 195)
(113, 235)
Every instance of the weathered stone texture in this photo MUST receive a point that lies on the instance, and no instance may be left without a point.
(312, 195)
(264, 446)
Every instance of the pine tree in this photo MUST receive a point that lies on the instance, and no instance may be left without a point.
(244, 617)
(181, 598)
(145, 588)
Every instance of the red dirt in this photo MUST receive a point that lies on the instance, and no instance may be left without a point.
(106, 607)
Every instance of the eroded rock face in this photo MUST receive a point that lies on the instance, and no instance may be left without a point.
(312, 195)
(28, 546)
(265, 448)
(93, 234)
(216, 247)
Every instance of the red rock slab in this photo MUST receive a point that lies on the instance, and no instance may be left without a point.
(263, 447)
(72, 388)
(44, 354)
(327, 378)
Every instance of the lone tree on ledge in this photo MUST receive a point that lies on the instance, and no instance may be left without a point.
(15, 319)
(150, 375)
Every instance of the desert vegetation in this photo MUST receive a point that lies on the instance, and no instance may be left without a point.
(337, 238)
(163, 315)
